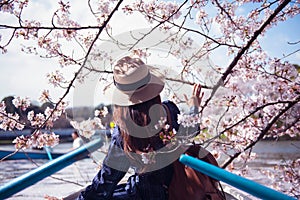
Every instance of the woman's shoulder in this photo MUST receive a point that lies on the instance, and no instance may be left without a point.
(116, 137)
(171, 106)
(174, 111)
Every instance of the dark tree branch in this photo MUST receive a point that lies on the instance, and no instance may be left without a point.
(252, 113)
(198, 32)
(226, 13)
(75, 28)
(85, 60)
(167, 78)
(245, 48)
(285, 56)
(293, 43)
(292, 124)
(155, 27)
(263, 132)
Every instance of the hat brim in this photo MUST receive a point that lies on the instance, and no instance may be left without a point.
(145, 93)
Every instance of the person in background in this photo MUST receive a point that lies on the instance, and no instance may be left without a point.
(77, 141)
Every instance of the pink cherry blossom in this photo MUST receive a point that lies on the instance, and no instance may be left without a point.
(55, 78)
(10, 122)
(22, 103)
(257, 97)
(22, 142)
(87, 128)
(47, 139)
(45, 96)
(187, 120)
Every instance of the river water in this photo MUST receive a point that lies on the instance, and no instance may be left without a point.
(79, 174)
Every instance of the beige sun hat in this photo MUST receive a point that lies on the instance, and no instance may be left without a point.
(135, 82)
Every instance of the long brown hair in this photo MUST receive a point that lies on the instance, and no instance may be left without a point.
(136, 124)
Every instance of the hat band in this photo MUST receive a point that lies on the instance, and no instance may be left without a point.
(133, 86)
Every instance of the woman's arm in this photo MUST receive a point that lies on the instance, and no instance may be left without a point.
(115, 166)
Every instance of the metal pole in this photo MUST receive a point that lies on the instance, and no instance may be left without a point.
(48, 151)
(32, 177)
(239, 182)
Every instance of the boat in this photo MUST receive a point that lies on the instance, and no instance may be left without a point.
(27, 154)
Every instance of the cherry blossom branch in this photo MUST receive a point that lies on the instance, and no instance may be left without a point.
(90, 7)
(187, 82)
(245, 48)
(262, 133)
(38, 28)
(9, 40)
(263, 71)
(5, 3)
(225, 11)
(193, 31)
(204, 35)
(7, 156)
(268, 5)
(210, 140)
(11, 118)
(252, 113)
(296, 120)
(84, 62)
(75, 28)
(160, 23)
(166, 78)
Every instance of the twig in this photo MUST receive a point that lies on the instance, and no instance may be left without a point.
(244, 49)
(263, 132)
(84, 62)
(155, 27)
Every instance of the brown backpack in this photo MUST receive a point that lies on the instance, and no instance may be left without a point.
(188, 183)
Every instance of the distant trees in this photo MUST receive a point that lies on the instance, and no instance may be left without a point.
(10, 108)
(62, 122)
(82, 113)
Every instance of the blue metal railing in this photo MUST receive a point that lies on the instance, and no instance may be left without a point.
(239, 182)
(32, 177)
(48, 151)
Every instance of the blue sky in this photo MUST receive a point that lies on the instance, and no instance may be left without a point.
(25, 75)
(276, 40)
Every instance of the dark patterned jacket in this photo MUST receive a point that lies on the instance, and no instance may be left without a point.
(152, 185)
